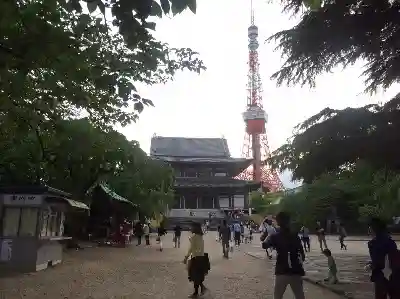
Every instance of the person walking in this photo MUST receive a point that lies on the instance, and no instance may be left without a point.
(207, 226)
(146, 232)
(320, 231)
(332, 268)
(225, 234)
(290, 257)
(232, 232)
(237, 230)
(246, 233)
(269, 230)
(198, 265)
(305, 238)
(161, 231)
(383, 249)
(342, 235)
(218, 237)
(177, 236)
(139, 232)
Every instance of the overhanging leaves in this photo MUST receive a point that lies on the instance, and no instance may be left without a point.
(79, 66)
(338, 34)
(333, 140)
(101, 156)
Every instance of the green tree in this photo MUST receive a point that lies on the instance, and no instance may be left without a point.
(353, 195)
(75, 155)
(20, 159)
(149, 184)
(338, 33)
(385, 201)
(57, 64)
(333, 140)
(131, 17)
(81, 155)
(264, 203)
(257, 200)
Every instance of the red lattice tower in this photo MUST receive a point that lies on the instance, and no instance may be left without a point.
(255, 144)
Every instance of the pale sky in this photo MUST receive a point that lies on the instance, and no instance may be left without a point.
(211, 104)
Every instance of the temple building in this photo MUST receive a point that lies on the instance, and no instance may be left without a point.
(205, 184)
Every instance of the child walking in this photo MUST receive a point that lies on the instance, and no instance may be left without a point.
(161, 233)
(342, 235)
(177, 236)
(332, 269)
(146, 231)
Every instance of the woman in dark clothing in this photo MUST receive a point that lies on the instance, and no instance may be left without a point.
(342, 235)
(380, 248)
(199, 263)
(161, 231)
(177, 236)
(139, 232)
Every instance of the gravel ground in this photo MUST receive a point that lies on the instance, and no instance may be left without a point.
(354, 281)
(139, 272)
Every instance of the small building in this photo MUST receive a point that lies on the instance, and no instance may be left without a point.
(205, 184)
(108, 210)
(32, 227)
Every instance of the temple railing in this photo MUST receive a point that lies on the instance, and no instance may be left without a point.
(195, 213)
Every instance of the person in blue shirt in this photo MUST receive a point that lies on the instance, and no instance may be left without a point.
(237, 230)
(380, 247)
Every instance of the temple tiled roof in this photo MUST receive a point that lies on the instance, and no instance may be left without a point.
(205, 160)
(189, 147)
(209, 182)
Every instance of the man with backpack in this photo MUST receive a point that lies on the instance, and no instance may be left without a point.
(269, 230)
(385, 262)
(290, 257)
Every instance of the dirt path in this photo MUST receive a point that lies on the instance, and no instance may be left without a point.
(139, 272)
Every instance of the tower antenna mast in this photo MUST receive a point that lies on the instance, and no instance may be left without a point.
(255, 145)
(252, 13)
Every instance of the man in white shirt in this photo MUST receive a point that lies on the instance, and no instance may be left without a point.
(246, 233)
(146, 232)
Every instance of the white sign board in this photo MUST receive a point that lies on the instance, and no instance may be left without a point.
(22, 199)
(6, 250)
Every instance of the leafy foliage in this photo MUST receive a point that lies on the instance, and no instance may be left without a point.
(333, 140)
(75, 155)
(338, 33)
(348, 158)
(264, 203)
(353, 196)
(57, 64)
(150, 185)
(257, 200)
(131, 17)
